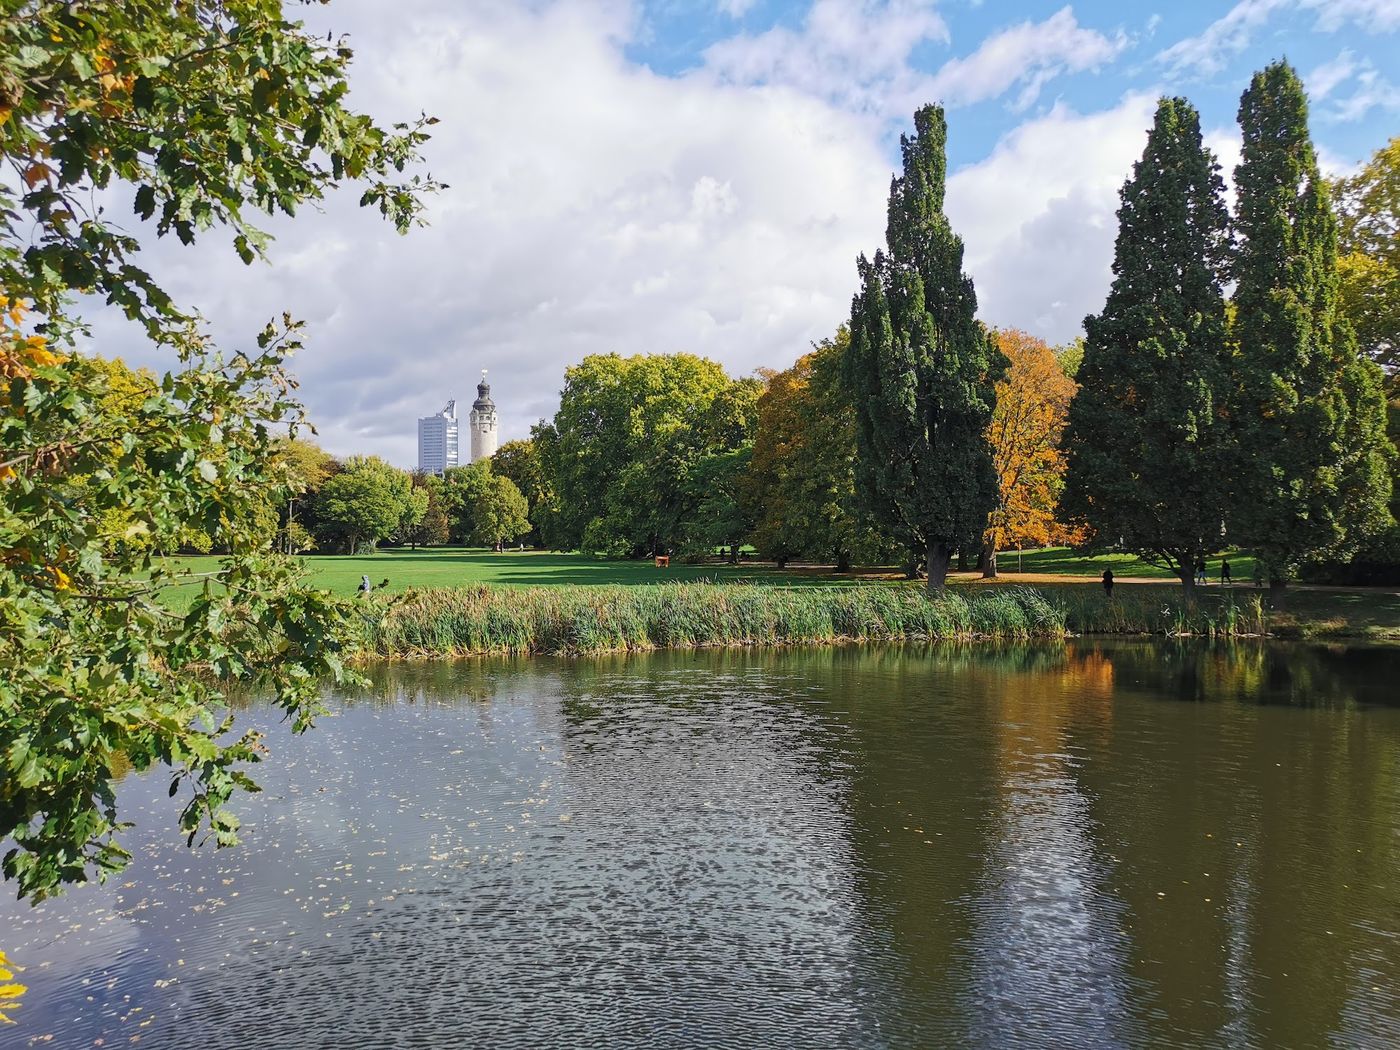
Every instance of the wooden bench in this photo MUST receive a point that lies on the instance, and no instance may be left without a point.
(663, 561)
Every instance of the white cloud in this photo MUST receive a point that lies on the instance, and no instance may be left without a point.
(1039, 218)
(1229, 35)
(1208, 52)
(735, 8)
(1323, 80)
(1371, 90)
(594, 206)
(854, 53)
(1375, 16)
(1028, 54)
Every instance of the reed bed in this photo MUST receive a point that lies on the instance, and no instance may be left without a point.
(1131, 611)
(478, 620)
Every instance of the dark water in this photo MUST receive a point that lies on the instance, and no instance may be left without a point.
(1135, 844)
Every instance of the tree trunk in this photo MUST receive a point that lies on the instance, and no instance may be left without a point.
(911, 570)
(782, 561)
(843, 561)
(1187, 574)
(939, 555)
(962, 559)
(989, 561)
(733, 554)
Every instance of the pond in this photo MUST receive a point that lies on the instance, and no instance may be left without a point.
(1126, 843)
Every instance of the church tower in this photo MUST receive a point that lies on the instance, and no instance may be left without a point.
(482, 421)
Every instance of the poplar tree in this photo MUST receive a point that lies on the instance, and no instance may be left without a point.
(921, 368)
(1146, 441)
(1313, 462)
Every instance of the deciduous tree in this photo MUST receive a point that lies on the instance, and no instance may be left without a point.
(1368, 263)
(627, 431)
(486, 508)
(202, 114)
(802, 478)
(367, 502)
(1032, 406)
(921, 368)
(520, 462)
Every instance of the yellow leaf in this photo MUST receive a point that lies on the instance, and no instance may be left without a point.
(6, 473)
(39, 352)
(9, 993)
(61, 579)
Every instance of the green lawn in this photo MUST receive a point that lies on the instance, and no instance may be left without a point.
(1066, 561)
(458, 567)
(1368, 613)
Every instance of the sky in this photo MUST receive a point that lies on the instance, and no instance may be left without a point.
(700, 175)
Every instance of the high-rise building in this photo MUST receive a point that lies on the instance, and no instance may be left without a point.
(437, 440)
(483, 422)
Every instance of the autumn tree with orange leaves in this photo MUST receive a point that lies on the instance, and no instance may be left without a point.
(1032, 404)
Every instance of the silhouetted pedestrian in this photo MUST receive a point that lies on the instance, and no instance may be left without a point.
(1108, 582)
(1201, 572)
(1225, 572)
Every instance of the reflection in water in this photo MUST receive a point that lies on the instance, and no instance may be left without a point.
(1098, 844)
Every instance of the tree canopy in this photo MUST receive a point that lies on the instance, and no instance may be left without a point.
(1148, 451)
(627, 432)
(921, 370)
(1032, 405)
(1368, 264)
(202, 115)
(367, 502)
(1313, 470)
(802, 478)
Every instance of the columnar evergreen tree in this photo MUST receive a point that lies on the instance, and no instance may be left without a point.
(921, 369)
(1147, 441)
(1311, 417)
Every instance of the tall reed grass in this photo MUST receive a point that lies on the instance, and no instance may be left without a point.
(1136, 611)
(576, 620)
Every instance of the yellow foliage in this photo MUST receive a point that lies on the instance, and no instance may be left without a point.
(1032, 405)
(10, 993)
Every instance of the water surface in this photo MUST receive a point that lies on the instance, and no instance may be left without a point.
(1099, 844)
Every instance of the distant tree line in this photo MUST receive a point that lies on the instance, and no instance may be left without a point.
(1189, 420)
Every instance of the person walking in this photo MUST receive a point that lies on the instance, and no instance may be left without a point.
(1201, 577)
(1108, 582)
(1225, 572)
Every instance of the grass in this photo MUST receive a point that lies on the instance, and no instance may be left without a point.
(1066, 561)
(1135, 608)
(481, 619)
(465, 567)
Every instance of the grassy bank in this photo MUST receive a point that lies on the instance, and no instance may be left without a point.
(1066, 561)
(1136, 608)
(574, 620)
(1160, 610)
